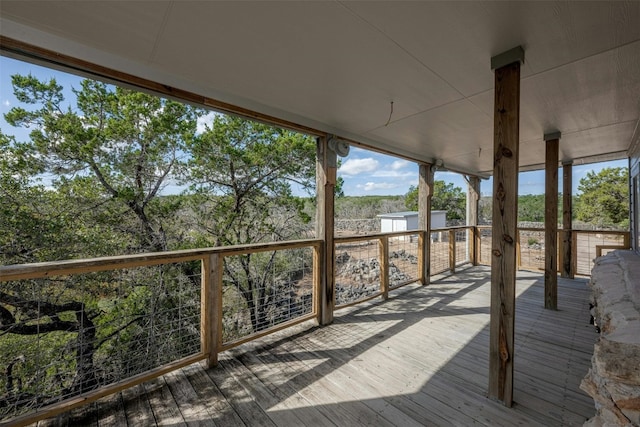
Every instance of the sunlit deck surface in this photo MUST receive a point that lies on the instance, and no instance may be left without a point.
(420, 358)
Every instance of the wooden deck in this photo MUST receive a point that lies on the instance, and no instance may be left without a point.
(418, 359)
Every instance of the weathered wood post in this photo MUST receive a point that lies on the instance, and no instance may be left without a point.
(567, 226)
(552, 141)
(425, 192)
(506, 118)
(326, 170)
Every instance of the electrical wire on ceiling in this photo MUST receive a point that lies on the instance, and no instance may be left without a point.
(390, 114)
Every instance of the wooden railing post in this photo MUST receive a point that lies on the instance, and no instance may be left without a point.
(452, 250)
(384, 266)
(423, 240)
(211, 308)
(473, 245)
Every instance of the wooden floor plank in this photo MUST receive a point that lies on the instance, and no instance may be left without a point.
(136, 406)
(196, 413)
(207, 392)
(242, 401)
(164, 407)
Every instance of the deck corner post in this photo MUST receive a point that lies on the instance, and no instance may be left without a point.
(326, 171)
(552, 142)
(506, 115)
(425, 192)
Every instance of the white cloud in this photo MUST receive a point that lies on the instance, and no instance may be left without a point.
(371, 186)
(357, 166)
(393, 174)
(399, 164)
(6, 103)
(205, 121)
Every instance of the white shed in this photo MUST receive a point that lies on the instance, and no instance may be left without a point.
(405, 221)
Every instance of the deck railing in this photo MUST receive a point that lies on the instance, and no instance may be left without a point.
(586, 246)
(74, 331)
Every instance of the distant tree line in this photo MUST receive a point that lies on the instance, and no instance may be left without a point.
(602, 201)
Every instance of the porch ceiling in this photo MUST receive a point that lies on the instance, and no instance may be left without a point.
(337, 65)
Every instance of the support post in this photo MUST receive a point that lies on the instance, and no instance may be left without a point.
(326, 170)
(552, 142)
(473, 200)
(425, 192)
(567, 226)
(506, 118)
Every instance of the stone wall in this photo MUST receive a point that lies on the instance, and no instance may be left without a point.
(614, 378)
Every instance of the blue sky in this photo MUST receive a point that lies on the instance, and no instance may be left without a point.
(368, 173)
(364, 172)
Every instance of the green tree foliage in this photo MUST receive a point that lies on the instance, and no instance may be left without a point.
(240, 174)
(604, 198)
(531, 208)
(109, 155)
(446, 196)
(117, 146)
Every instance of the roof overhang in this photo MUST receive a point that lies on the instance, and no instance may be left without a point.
(337, 67)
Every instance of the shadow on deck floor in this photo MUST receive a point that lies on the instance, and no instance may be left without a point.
(417, 359)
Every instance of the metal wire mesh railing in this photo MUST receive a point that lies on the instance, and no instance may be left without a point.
(531, 252)
(484, 242)
(66, 335)
(357, 270)
(439, 262)
(74, 331)
(531, 247)
(463, 248)
(262, 290)
(403, 260)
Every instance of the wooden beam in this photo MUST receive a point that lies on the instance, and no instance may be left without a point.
(425, 192)
(551, 223)
(567, 225)
(326, 169)
(506, 118)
